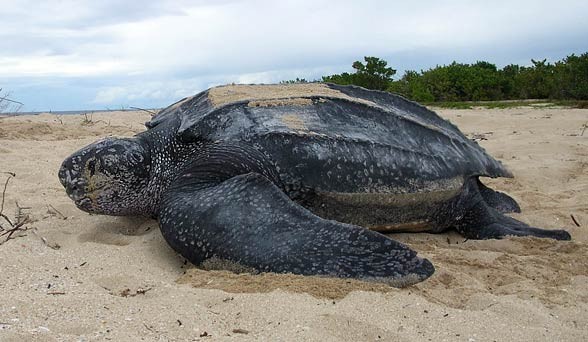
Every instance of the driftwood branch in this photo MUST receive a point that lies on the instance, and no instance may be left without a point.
(7, 104)
(89, 121)
(145, 110)
(4, 98)
(10, 175)
(21, 219)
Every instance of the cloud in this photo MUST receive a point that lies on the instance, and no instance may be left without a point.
(130, 94)
(110, 94)
(159, 92)
(172, 47)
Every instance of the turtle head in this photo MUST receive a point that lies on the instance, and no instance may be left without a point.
(108, 177)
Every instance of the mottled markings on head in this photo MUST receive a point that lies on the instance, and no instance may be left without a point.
(93, 179)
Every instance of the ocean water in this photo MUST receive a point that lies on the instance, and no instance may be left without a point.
(74, 112)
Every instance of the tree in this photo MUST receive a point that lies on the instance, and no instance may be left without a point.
(571, 76)
(539, 80)
(374, 74)
(412, 86)
(509, 76)
(296, 81)
(343, 78)
(481, 81)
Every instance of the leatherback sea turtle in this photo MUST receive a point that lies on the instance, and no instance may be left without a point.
(286, 178)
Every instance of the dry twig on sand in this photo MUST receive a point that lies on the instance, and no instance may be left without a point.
(575, 221)
(20, 220)
(54, 212)
(153, 113)
(8, 105)
(89, 121)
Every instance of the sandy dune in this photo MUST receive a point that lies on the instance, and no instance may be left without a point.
(73, 276)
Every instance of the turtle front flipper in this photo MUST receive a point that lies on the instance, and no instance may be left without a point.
(249, 221)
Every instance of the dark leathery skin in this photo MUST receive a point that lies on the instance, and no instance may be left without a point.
(261, 185)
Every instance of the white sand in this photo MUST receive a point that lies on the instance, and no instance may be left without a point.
(96, 278)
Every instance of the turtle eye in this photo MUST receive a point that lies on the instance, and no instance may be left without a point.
(135, 157)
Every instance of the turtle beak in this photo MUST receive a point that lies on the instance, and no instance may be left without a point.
(63, 175)
(72, 180)
(75, 186)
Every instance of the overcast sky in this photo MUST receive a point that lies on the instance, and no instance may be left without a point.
(98, 54)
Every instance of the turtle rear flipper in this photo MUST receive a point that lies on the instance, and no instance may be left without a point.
(498, 200)
(482, 221)
(249, 221)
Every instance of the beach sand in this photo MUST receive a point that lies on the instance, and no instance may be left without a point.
(73, 276)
